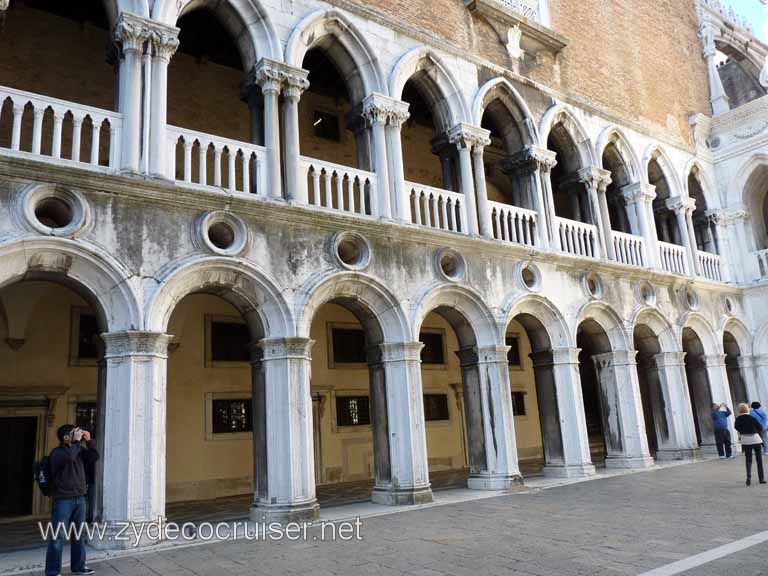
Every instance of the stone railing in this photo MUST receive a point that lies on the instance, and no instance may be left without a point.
(578, 238)
(339, 188)
(672, 258)
(710, 266)
(629, 249)
(59, 131)
(437, 208)
(205, 160)
(513, 224)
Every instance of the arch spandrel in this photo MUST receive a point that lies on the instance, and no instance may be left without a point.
(609, 320)
(545, 313)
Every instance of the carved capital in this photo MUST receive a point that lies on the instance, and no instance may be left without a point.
(565, 356)
(164, 41)
(669, 359)
(380, 109)
(267, 75)
(682, 204)
(131, 31)
(594, 178)
(493, 354)
(529, 159)
(396, 352)
(639, 192)
(618, 358)
(294, 82)
(713, 360)
(283, 348)
(467, 136)
(136, 343)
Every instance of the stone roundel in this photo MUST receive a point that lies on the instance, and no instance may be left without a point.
(54, 210)
(222, 233)
(350, 250)
(450, 265)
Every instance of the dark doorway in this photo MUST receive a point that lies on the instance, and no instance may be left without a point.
(16, 461)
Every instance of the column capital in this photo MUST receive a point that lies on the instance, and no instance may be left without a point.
(131, 31)
(565, 355)
(529, 159)
(713, 360)
(136, 343)
(468, 136)
(395, 352)
(294, 81)
(617, 358)
(381, 109)
(493, 354)
(684, 204)
(594, 177)
(164, 41)
(746, 361)
(282, 348)
(272, 76)
(639, 192)
(669, 359)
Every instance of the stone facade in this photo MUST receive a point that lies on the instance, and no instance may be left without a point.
(498, 180)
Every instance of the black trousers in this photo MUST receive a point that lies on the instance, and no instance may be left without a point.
(757, 450)
(723, 441)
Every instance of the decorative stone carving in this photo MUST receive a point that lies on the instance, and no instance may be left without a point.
(468, 136)
(136, 343)
(277, 348)
(378, 108)
(682, 203)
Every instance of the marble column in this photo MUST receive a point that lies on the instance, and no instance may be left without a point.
(134, 430)
(267, 74)
(489, 418)
(682, 207)
(546, 160)
(626, 441)
(593, 178)
(163, 42)
(294, 83)
(376, 111)
(760, 366)
(283, 444)
(401, 196)
(131, 33)
(483, 208)
(400, 442)
(465, 137)
(639, 199)
(746, 365)
(529, 164)
(677, 432)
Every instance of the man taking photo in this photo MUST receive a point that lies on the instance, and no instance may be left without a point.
(68, 492)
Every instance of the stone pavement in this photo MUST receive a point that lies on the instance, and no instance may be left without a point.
(622, 525)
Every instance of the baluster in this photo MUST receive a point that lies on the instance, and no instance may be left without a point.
(339, 192)
(58, 120)
(328, 192)
(18, 111)
(203, 167)
(497, 232)
(416, 207)
(444, 213)
(433, 218)
(217, 152)
(353, 183)
(37, 129)
(77, 125)
(188, 159)
(315, 186)
(231, 175)
(246, 173)
(96, 141)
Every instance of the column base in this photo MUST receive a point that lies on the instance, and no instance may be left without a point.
(569, 471)
(494, 481)
(667, 454)
(401, 496)
(629, 462)
(300, 512)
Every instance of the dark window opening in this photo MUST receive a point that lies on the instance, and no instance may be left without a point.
(433, 352)
(88, 336)
(513, 356)
(232, 416)
(326, 125)
(518, 403)
(229, 342)
(353, 411)
(202, 36)
(436, 407)
(348, 345)
(87, 416)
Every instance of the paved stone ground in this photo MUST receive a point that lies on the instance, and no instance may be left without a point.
(616, 526)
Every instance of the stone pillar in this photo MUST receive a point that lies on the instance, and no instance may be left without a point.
(546, 161)
(284, 475)
(717, 96)
(626, 440)
(682, 207)
(562, 365)
(131, 34)
(267, 75)
(400, 442)
(401, 196)
(489, 419)
(717, 375)
(134, 429)
(593, 179)
(639, 198)
(465, 137)
(376, 110)
(677, 432)
(760, 364)
(605, 215)
(529, 164)
(294, 83)
(483, 209)
(746, 366)
(163, 42)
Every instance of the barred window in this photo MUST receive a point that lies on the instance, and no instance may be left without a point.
(513, 356)
(87, 416)
(232, 416)
(229, 342)
(352, 411)
(518, 403)
(432, 353)
(436, 407)
(348, 346)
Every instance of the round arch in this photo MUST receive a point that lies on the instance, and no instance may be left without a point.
(445, 92)
(463, 308)
(88, 269)
(246, 20)
(614, 135)
(376, 308)
(738, 329)
(703, 329)
(659, 325)
(503, 89)
(331, 30)
(559, 114)
(609, 320)
(253, 293)
(656, 152)
(545, 313)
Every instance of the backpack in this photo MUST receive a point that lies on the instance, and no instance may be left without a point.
(43, 479)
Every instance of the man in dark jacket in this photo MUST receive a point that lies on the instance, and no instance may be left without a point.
(720, 414)
(68, 489)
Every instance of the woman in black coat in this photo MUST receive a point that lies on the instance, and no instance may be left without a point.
(751, 443)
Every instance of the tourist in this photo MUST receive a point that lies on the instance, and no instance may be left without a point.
(749, 429)
(762, 417)
(720, 414)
